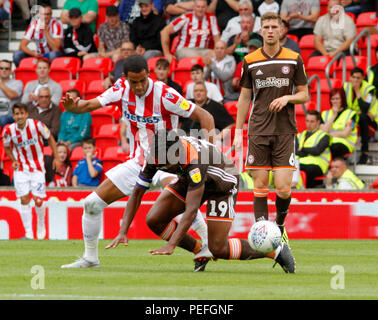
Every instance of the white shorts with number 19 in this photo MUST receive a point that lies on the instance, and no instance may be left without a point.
(125, 175)
(26, 182)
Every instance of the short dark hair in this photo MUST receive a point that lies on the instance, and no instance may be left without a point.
(6, 61)
(162, 63)
(315, 113)
(20, 106)
(356, 70)
(111, 11)
(134, 63)
(74, 90)
(44, 60)
(89, 140)
(196, 67)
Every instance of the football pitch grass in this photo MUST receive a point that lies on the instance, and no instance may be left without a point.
(326, 269)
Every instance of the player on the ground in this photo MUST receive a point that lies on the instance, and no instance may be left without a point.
(204, 174)
(23, 144)
(270, 74)
(147, 106)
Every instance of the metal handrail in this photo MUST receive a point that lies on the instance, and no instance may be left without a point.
(328, 67)
(352, 45)
(318, 94)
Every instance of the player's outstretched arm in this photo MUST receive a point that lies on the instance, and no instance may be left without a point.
(15, 163)
(206, 121)
(131, 208)
(80, 106)
(244, 104)
(192, 204)
(52, 143)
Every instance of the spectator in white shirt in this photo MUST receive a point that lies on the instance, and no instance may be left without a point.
(220, 68)
(198, 76)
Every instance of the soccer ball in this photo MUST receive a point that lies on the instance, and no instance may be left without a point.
(264, 236)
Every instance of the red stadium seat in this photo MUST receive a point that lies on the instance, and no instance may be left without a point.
(64, 68)
(366, 19)
(7, 164)
(70, 84)
(374, 185)
(101, 15)
(323, 7)
(182, 70)
(352, 15)
(293, 37)
(94, 89)
(28, 63)
(325, 91)
(232, 108)
(306, 44)
(95, 69)
(113, 156)
(100, 117)
(107, 136)
(25, 75)
(374, 44)
(360, 61)
(317, 65)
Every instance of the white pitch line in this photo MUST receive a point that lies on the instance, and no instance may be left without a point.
(66, 296)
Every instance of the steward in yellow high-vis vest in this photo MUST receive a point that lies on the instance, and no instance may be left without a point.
(338, 125)
(313, 150)
(341, 178)
(361, 97)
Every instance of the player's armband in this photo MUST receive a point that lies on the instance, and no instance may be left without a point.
(143, 182)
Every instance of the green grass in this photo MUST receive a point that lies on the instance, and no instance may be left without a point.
(132, 273)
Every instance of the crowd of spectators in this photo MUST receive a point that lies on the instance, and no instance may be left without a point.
(222, 32)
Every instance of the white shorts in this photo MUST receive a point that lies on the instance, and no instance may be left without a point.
(124, 176)
(26, 182)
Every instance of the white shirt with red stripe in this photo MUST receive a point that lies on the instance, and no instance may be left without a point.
(158, 109)
(27, 144)
(195, 33)
(34, 32)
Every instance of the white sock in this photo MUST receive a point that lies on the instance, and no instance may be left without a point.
(199, 225)
(41, 211)
(91, 223)
(91, 230)
(26, 217)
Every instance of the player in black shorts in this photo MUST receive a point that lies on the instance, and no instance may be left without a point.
(204, 174)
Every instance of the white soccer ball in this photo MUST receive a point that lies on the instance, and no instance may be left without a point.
(264, 236)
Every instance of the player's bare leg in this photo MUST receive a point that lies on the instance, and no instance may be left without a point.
(260, 192)
(94, 204)
(26, 216)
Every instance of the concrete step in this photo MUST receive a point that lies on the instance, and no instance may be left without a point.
(367, 170)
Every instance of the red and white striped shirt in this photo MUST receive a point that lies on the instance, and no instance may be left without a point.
(158, 109)
(195, 33)
(27, 144)
(34, 32)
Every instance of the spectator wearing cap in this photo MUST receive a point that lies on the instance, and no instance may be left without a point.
(78, 38)
(88, 8)
(112, 33)
(145, 31)
(287, 42)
